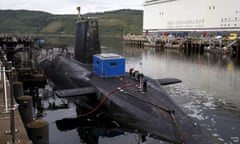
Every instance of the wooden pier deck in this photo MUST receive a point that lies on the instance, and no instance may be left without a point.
(21, 136)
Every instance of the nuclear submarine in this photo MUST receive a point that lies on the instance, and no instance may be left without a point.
(99, 80)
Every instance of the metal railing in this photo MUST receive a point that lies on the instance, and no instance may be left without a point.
(9, 108)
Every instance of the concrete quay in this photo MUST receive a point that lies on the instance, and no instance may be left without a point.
(21, 136)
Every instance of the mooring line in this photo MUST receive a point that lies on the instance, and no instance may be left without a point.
(106, 97)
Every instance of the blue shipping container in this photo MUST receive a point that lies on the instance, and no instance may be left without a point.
(109, 65)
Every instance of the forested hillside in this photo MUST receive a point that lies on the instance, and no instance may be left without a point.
(113, 23)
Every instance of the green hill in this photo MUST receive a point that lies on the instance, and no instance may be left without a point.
(112, 23)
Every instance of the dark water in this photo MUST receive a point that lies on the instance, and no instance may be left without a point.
(210, 94)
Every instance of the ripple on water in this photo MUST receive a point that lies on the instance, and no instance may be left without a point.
(197, 104)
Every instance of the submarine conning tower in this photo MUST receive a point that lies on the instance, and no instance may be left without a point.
(87, 40)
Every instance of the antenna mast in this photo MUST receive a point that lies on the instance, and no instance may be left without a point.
(79, 14)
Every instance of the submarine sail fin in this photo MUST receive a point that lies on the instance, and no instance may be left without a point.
(87, 40)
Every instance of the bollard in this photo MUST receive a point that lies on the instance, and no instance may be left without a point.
(145, 85)
(38, 132)
(25, 108)
(17, 89)
(14, 75)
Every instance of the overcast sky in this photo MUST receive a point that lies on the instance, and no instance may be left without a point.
(69, 6)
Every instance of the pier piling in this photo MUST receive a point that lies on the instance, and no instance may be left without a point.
(25, 108)
(17, 89)
(38, 131)
(188, 45)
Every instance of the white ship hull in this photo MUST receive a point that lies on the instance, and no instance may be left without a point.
(191, 15)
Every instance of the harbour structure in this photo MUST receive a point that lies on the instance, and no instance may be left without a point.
(191, 16)
(20, 81)
(12, 127)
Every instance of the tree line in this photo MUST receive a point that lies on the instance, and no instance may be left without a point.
(112, 23)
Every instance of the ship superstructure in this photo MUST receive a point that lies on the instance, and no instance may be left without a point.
(191, 15)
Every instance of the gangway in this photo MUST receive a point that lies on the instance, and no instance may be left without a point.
(233, 42)
(151, 40)
(182, 42)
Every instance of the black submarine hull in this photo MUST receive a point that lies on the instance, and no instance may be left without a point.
(153, 112)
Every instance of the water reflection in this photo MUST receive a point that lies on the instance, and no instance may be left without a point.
(99, 129)
(111, 45)
(213, 73)
(91, 128)
(210, 89)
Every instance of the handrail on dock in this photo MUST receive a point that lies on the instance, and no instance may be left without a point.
(9, 116)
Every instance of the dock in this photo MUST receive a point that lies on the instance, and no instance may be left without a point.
(18, 72)
(21, 136)
(135, 40)
(188, 45)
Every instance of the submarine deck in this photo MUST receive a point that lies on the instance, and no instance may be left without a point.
(153, 110)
